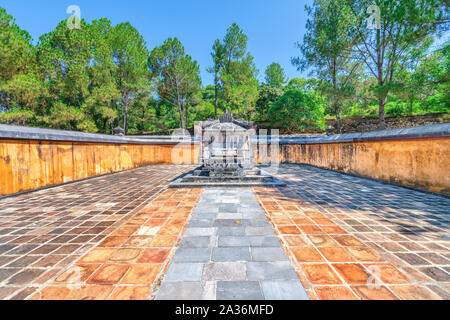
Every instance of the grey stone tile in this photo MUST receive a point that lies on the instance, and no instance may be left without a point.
(199, 232)
(184, 272)
(231, 254)
(201, 223)
(257, 223)
(176, 290)
(284, 290)
(195, 242)
(275, 270)
(205, 215)
(259, 231)
(239, 290)
(192, 255)
(233, 241)
(228, 207)
(268, 254)
(230, 231)
(228, 223)
(226, 215)
(226, 271)
(209, 290)
(264, 241)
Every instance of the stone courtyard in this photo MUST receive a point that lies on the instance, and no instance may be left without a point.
(325, 236)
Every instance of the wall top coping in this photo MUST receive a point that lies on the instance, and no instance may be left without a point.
(30, 133)
(431, 131)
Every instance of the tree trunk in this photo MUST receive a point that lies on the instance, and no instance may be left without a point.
(338, 118)
(216, 91)
(381, 104)
(381, 95)
(125, 113)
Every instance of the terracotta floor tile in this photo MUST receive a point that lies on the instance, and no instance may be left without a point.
(97, 255)
(322, 241)
(138, 242)
(125, 231)
(289, 230)
(90, 293)
(130, 293)
(320, 274)
(311, 229)
(142, 274)
(156, 222)
(164, 241)
(388, 273)
(297, 241)
(333, 230)
(364, 254)
(323, 222)
(348, 241)
(170, 230)
(352, 273)
(303, 221)
(52, 293)
(366, 293)
(282, 221)
(154, 255)
(307, 255)
(108, 274)
(76, 274)
(334, 293)
(414, 292)
(125, 255)
(113, 242)
(336, 254)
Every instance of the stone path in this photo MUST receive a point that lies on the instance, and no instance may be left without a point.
(229, 251)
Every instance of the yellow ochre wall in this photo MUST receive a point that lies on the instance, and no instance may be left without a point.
(423, 164)
(31, 164)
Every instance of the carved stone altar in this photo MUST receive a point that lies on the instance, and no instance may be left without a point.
(226, 155)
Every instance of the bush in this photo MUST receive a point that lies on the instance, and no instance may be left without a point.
(297, 110)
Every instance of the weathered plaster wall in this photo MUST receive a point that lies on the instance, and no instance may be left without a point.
(32, 164)
(419, 163)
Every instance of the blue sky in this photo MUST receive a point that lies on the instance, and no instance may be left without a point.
(272, 26)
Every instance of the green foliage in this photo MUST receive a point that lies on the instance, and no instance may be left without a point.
(275, 75)
(236, 86)
(297, 110)
(177, 74)
(267, 95)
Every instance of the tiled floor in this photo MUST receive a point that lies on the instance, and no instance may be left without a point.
(352, 238)
(113, 237)
(230, 252)
(43, 233)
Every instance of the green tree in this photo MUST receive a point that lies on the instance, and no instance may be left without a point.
(267, 95)
(327, 50)
(238, 75)
(130, 55)
(275, 75)
(297, 110)
(218, 55)
(177, 76)
(402, 36)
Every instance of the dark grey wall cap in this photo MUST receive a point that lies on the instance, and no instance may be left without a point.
(30, 133)
(431, 131)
